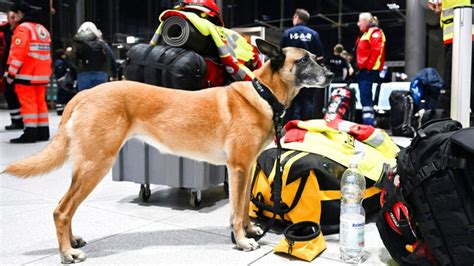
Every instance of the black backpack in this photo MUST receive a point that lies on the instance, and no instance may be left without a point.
(166, 66)
(437, 186)
(401, 113)
(92, 54)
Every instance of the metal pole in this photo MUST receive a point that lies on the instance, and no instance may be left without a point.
(80, 13)
(282, 13)
(415, 41)
(461, 74)
(339, 26)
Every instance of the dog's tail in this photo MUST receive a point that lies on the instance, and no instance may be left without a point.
(52, 157)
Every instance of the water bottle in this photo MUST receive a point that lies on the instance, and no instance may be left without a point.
(352, 219)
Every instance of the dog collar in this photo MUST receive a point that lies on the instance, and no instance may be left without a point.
(264, 92)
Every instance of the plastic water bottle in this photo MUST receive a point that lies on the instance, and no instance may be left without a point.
(352, 219)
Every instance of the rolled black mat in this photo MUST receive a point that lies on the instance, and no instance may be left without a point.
(178, 32)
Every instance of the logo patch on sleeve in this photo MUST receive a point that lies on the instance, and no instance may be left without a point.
(41, 31)
(17, 41)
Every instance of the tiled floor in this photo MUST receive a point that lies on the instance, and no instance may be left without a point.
(121, 229)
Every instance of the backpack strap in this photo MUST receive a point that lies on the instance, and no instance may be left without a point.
(430, 169)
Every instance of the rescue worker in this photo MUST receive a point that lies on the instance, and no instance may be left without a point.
(446, 10)
(370, 53)
(10, 95)
(338, 65)
(30, 68)
(91, 57)
(309, 102)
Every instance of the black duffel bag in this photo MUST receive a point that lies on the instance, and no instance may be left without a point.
(166, 66)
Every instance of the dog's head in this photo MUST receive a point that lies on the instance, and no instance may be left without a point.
(296, 66)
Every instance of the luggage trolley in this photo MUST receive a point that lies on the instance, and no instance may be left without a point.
(143, 164)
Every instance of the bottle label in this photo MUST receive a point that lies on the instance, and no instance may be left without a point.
(351, 234)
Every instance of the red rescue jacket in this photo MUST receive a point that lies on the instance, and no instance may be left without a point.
(371, 49)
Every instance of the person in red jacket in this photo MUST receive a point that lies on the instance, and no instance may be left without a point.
(370, 53)
(30, 67)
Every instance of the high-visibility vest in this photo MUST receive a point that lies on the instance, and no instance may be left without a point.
(30, 54)
(447, 18)
(370, 52)
(368, 147)
(234, 50)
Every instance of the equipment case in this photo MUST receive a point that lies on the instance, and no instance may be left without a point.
(143, 164)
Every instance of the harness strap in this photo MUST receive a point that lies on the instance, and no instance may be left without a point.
(278, 113)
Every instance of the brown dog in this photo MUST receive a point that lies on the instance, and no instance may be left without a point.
(227, 125)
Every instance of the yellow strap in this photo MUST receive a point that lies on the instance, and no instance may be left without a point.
(336, 194)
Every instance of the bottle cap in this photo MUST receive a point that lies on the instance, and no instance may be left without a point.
(353, 165)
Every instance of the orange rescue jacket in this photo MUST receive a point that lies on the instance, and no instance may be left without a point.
(30, 54)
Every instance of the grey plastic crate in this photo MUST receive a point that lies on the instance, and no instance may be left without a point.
(143, 164)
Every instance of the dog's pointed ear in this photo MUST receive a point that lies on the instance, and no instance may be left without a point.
(276, 55)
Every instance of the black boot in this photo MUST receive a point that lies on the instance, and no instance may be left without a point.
(28, 136)
(16, 124)
(43, 134)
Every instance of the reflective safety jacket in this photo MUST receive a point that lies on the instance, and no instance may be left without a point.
(30, 54)
(447, 18)
(370, 51)
(235, 52)
(350, 143)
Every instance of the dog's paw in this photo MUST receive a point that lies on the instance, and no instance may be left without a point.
(247, 244)
(72, 256)
(253, 230)
(77, 242)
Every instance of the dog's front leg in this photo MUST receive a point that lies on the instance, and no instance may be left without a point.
(239, 177)
(251, 229)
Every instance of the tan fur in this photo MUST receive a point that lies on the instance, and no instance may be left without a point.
(225, 125)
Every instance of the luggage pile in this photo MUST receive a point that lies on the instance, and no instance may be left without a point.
(410, 109)
(427, 212)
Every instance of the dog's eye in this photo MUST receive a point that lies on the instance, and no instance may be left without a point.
(303, 60)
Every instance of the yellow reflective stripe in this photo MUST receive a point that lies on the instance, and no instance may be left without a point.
(326, 195)
(379, 59)
(40, 56)
(39, 47)
(376, 139)
(367, 34)
(16, 63)
(30, 77)
(12, 69)
(31, 124)
(30, 115)
(345, 126)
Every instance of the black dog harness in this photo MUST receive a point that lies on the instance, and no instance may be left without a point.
(278, 113)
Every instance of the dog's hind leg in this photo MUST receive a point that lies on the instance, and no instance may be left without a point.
(85, 178)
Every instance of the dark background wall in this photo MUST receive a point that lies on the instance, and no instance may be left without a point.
(120, 18)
